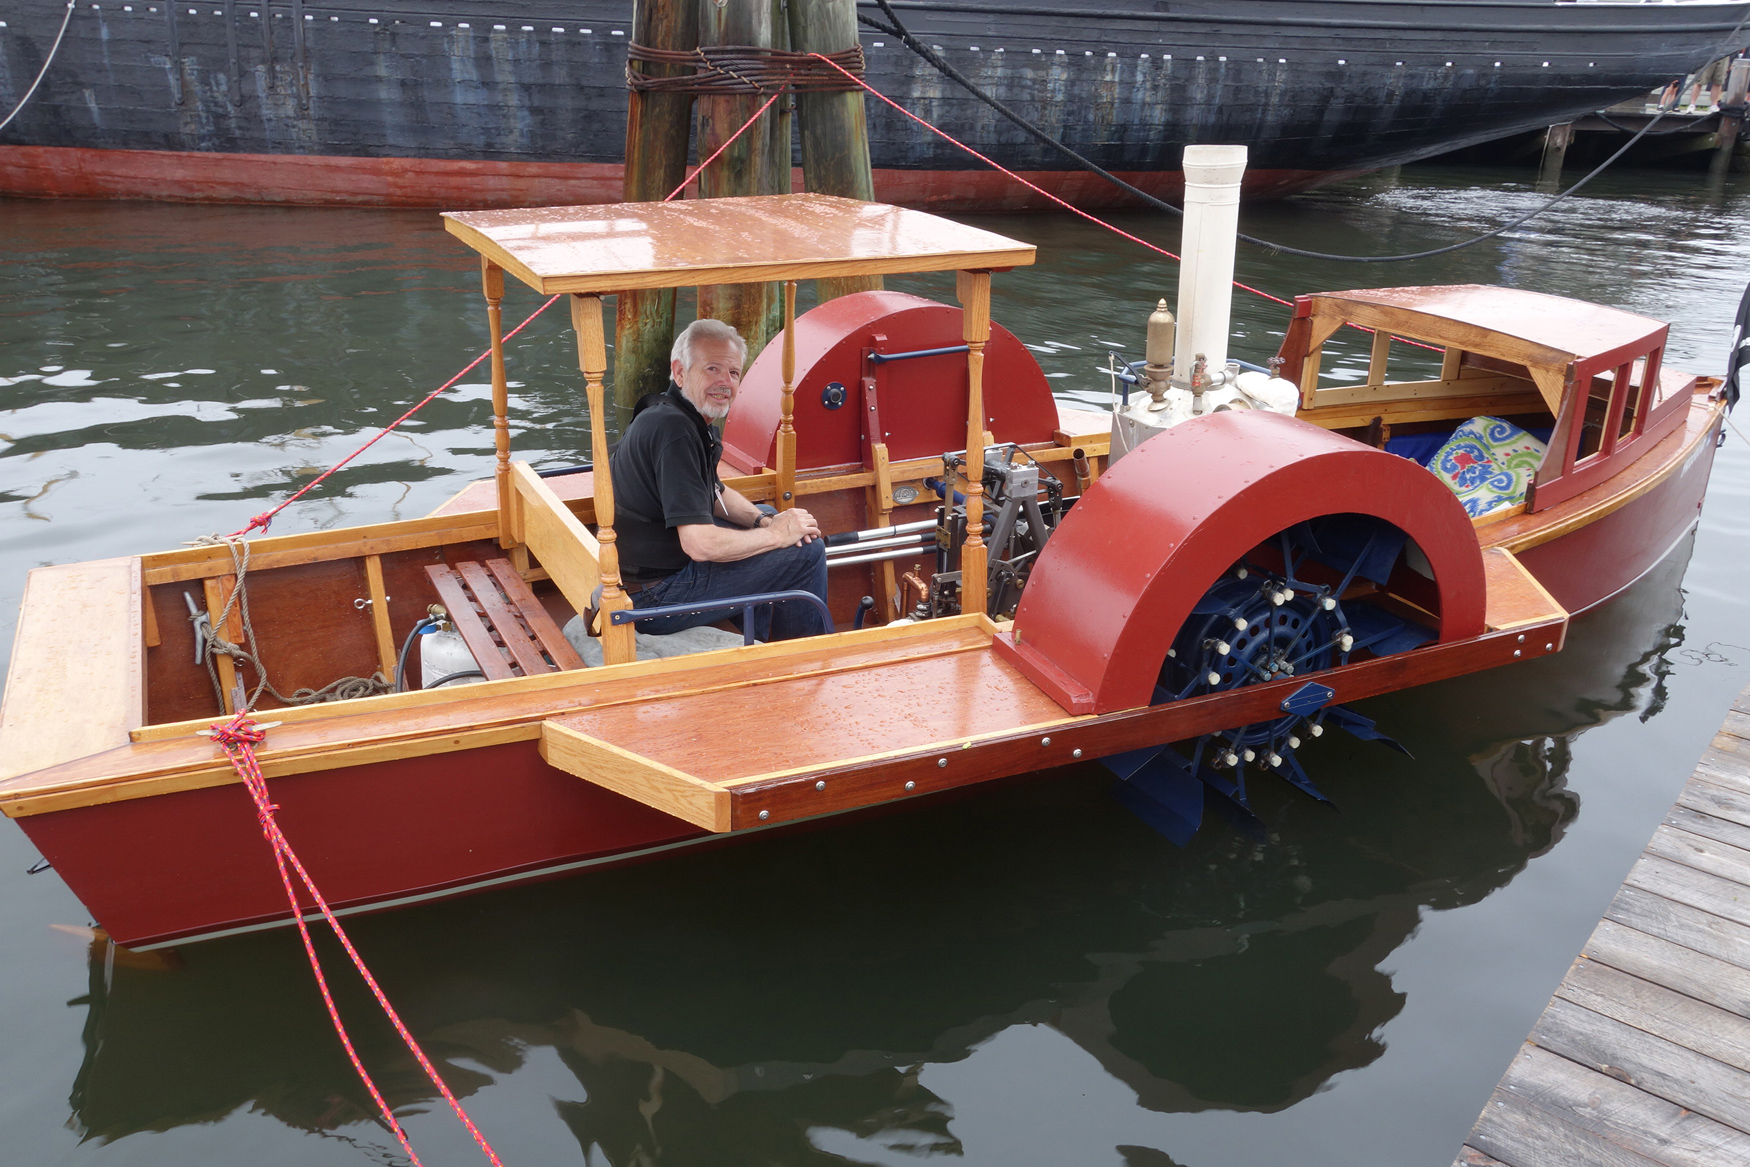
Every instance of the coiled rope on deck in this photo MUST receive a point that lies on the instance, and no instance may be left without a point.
(215, 645)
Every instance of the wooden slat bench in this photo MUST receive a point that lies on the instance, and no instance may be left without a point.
(501, 621)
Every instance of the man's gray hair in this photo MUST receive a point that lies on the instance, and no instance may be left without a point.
(705, 329)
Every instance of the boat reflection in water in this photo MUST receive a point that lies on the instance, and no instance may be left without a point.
(756, 996)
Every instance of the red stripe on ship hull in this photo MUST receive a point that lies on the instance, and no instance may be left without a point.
(332, 180)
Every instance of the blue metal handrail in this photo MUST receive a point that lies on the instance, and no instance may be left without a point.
(883, 358)
(746, 603)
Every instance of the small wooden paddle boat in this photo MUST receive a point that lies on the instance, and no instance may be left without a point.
(1231, 582)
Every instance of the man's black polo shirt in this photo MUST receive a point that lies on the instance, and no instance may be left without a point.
(665, 476)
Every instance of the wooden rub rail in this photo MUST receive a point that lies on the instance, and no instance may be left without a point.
(1643, 1055)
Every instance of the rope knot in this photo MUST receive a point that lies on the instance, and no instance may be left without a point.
(239, 731)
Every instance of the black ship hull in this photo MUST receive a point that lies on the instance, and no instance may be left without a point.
(482, 102)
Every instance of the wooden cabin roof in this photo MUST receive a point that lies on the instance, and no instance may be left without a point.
(1545, 333)
(620, 246)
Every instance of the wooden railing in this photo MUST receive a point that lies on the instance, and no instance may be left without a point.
(540, 521)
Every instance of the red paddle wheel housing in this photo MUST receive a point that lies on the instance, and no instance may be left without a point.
(1127, 564)
(916, 406)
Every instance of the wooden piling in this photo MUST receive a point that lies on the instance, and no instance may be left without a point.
(1732, 103)
(1556, 141)
(835, 129)
(658, 126)
(758, 162)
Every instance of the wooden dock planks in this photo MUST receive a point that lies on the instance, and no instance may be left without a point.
(1643, 1055)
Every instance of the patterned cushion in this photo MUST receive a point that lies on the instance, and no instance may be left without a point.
(1488, 463)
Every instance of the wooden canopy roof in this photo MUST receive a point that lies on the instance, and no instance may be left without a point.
(621, 246)
(1547, 334)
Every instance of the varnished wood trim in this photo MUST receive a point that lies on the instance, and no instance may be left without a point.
(564, 546)
(521, 723)
(735, 273)
(636, 777)
(1334, 417)
(752, 656)
(1497, 515)
(1516, 599)
(218, 590)
(1461, 386)
(149, 618)
(386, 652)
(218, 771)
(322, 546)
(949, 748)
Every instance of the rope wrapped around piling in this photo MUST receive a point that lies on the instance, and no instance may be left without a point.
(743, 69)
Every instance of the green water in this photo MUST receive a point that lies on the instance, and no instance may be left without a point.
(1026, 975)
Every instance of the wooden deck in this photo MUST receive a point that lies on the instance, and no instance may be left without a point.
(1643, 1055)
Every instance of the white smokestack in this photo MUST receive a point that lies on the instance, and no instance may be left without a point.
(1206, 266)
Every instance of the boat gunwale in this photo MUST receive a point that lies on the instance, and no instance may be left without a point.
(165, 755)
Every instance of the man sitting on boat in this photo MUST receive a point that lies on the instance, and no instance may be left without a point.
(683, 536)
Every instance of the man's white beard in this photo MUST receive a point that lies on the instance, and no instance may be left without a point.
(707, 409)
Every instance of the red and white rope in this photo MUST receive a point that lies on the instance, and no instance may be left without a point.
(238, 738)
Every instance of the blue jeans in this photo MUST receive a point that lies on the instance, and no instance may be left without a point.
(799, 568)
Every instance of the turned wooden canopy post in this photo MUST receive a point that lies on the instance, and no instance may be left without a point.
(787, 405)
(973, 288)
(592, 358)
(492, 283)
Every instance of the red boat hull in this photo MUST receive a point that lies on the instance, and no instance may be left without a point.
(193, 864)
(158, 869)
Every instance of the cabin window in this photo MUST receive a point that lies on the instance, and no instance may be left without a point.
(1616, 406)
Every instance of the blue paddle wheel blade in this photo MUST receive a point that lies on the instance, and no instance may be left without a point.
(1361, 727)
(1239, 816)
(1290, 770)
(1166, 798)
(1130, 761)
(1384, 633)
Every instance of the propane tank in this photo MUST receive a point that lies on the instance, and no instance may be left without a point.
(443, 653)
